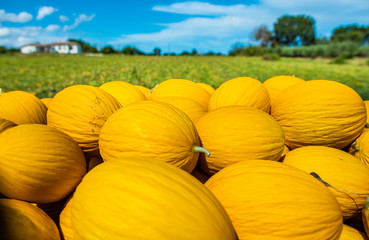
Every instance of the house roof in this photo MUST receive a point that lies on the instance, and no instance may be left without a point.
(51, 44)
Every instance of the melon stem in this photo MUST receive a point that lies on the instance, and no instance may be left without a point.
(201, 149)
(366, 124)
(356, 148)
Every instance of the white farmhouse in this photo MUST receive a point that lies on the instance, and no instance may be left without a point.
(56, 47)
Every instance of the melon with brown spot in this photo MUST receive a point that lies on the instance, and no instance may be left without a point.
(344, 175)
(80, 111)
(320, 113)
(274, 201)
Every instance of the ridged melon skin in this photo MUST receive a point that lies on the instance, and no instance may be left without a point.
(207, 87)
(238, 133)
(277, 84)
(191, 108)
(350, 233)
(21, 220)
(271, 200)
(46, 101)
(155, 130)
(65, 220)
(80, 111)
(244, 91)
(181, 88)
(145, 199)
(5, 124)
(320, 113)
(360, 148)
(39, 163)
(124, 92)
(347, 175)
(144, 90)
(22, 107)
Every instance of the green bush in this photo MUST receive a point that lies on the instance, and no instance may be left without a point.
(339, 60)
(271, 57)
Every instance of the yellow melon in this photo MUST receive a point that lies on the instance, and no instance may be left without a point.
(81, 111)
(46, 101)
(365, 216)
(144, 90)
(146, 199)
(271, 200)
(65, 220)
(238, 133)
(244, 91)
(366, 102)
(124, 92)
(207, 87)
(276, 84)
(360, 147)
(350, 233)
(39, 163)
(21, 220)
(156, 130)
(191, 108)
(5, 124)
(320, 112)
(345, 176)
(22, 107)
(181, 88)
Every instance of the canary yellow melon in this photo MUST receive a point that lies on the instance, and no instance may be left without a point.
(156, 130)
(344, 175)
(360, 147)
(22, 107)
(271, 200)
(46, 101)
(238, 133)
(21, 220)
(192, 109)
(181, 88)
(244, 91)
(80, 111)
(276, 84)
(350, 233)
(144, 90)
(5, 124)
(124, 92)
(365, 216)
(65, 221)
(145, 199)
(366, 102)
(320, 113)
(207, 87)
(39, 163)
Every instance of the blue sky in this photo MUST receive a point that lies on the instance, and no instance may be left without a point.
(174, 26)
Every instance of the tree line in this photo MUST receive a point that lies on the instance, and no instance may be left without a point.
(295, 36)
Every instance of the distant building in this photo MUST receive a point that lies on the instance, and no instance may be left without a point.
(56, 47)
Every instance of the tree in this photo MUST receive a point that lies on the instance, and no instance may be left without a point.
(128, 50)
(157, 51)
(194, 52)
(263, 35)
(108, 50)
(294, 30)
(352, 33)
(86, 48)
(3, 50)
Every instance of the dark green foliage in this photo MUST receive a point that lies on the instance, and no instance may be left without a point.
(339, 60)
(290, 30)
(3, 50)
(86, 47)
(128, 50)
(108, 50)
(352, 33)
(271, 57)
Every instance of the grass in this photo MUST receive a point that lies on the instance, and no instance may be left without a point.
(45, 75)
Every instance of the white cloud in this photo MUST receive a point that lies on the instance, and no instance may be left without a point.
(222, 25)
(52, 28)
(45, 11)
(63, 18)
(21, 17)
(4, 31)
(80, 19)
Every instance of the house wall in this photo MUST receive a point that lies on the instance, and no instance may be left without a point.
(65, 49)
(28, 49)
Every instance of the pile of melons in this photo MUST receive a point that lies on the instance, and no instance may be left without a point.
(283, 159)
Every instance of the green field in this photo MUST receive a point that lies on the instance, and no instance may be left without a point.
(45, 75)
